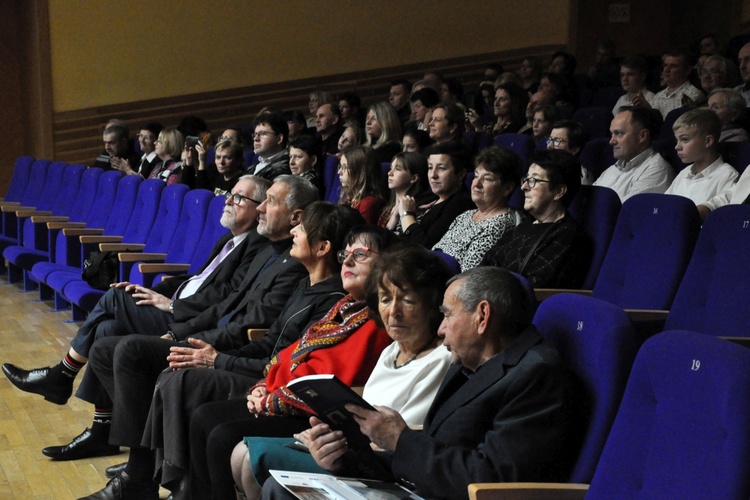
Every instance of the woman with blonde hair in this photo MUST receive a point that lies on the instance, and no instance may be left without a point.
(383, 131)
(168, 148)
(359, 174)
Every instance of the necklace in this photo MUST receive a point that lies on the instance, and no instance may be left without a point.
(420, 351)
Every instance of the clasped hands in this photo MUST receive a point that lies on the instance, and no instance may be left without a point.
(383, 427)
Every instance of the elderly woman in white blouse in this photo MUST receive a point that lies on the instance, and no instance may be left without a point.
(497, 173)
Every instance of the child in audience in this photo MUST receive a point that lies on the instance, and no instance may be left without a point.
(697, 133)
(359, 174)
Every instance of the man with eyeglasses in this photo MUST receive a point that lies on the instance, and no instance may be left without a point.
(127, 309)
(570, 136)
(269, 142)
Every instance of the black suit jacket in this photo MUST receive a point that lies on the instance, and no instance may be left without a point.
(505, 422)
(256, 303)
(226, 277)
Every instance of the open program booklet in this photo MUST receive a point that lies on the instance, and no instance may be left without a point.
(311, 486)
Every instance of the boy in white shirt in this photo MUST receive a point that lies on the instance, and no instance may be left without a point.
(697, 133)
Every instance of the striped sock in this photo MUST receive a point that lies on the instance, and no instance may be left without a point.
(71, 367)
(103, 416)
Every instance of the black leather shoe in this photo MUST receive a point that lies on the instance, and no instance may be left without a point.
(111, 472)
(85, 445)
(122, 487)
(54, 389)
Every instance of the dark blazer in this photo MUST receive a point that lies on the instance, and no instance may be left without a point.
(505, 422)
(276, 168)
(256, 303)
(219, 284)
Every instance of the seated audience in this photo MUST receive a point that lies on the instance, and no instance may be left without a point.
(200, 373)
(147, 141)
(447, 124)
(127, 309)
(738, 194)
(639, 169)
(529, 73)
(606, 71)
(536, 101)
(542, 123)
(269, 143)
(168, 148)
(570, 136)
(351, 110)
(551, 251)
(633, 72)
(228, 167)
(305, 158)
(410, 283)
(472, 233)
(316, 98)
(359, 173)
(406, 176)
(117, 154)
(560, 90)
(743, 60)
(451, 92)
(697, 133)
(346, 342)
(352, 136)
(510, 108)
(398, 98)
(423, 101)
(383, 131)
(415, 141)
(717, 72)
(729, 106)
(297, 124)
(427, 222)
(679, 92)
(328, 125)
(478, 427)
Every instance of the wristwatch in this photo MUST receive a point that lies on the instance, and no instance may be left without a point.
(171, 307)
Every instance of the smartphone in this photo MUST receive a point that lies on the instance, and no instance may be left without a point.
(192, 140)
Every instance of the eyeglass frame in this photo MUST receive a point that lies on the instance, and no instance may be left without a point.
(262, 134)
(358, 254)
(532, 181)
(555, 141)
(242, 198)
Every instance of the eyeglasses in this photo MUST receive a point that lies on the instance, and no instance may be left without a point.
(146, 137)
(225, 138)
(710, 72)
(263, 134)
(359, 255)
(237, 199)
(555, 141)
(531, 181)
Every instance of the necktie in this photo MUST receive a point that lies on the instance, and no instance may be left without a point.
(209, 269)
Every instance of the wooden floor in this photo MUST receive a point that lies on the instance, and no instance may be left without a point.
(31, 336)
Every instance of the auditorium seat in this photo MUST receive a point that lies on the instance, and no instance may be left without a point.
(521, 144)
(19, 180)
(28, 201)
(595, 120)
(607, 97)
(736, 154)
(597, 156)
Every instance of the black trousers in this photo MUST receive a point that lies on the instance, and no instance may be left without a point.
(215, 429)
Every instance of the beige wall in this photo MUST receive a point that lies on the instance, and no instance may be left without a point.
(131, 50)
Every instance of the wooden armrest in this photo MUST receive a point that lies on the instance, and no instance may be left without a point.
(94, 236)
(148, 268)
(78, 231)
(135, 257)
(416, 427)
(255, 334)
(31, 213)
(527, 491)
(646, 315)
(743, 341)
(359, 389)
(17, 208)
(4, 204)
(545, 293)
(121, 247)
(63, 225)
(43, 219)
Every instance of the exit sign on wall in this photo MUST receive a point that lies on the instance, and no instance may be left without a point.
(619, 13)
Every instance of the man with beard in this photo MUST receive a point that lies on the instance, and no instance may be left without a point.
(123, 310)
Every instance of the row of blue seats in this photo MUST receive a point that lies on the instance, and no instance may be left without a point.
(164, 223)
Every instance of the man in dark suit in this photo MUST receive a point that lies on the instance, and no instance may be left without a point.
(127, 308)
(270, 137)
(502, 412)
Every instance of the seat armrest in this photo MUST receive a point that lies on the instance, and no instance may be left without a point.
(545, 293)
(43, 219)
(743, 341)
(136, 257)
(16, 208)
(30, 213)
(4, 204)
(79, 231)
(527, 491)
(121, 247)
(255, 334)
(95, 237)
(149, 268)
(646, 315)
(63, 225)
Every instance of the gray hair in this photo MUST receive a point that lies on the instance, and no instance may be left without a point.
(735, 101)
(301, 191)
(261, 186)
(502, 290)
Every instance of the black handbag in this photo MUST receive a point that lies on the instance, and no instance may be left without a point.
(100, 269)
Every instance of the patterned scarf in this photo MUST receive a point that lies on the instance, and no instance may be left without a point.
(344, 318)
